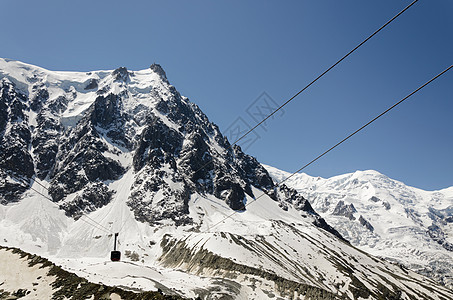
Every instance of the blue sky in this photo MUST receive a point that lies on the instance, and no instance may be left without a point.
(224, 54)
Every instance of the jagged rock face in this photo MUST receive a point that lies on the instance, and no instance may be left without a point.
(82, 158)
(15, 138)
(158, 69)
(92, 84)
(436, 231)
(186, 151)
(93, 196)
(285, 195)
(39, 97)
(121, 74)
(365, 223)
(82, 129)
(106, 113)
(345, 210)
(45, 143)
(251, 169)
(158, 144)
(160, 195)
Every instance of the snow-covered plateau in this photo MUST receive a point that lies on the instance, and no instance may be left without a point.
(86, 155)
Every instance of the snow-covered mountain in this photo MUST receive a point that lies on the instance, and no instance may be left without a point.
(385, 217)
(87, 155)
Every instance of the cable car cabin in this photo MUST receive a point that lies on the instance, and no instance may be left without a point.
(115, 255)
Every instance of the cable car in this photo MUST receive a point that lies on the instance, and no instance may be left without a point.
(115, 255)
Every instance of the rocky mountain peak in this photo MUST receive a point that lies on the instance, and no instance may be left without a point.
(129, 121)
(346, 210)
(121, 74)
(159, 70)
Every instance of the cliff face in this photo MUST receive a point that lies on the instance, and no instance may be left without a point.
(79, 131)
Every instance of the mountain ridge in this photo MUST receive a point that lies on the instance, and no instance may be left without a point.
(123, 152)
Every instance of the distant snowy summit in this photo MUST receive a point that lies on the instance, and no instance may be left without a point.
(385, 217)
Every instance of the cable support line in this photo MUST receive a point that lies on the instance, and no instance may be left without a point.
(99, 224)
(36, 180)
(95, 226)
(326, 71)
(338, 144)
(371, 121)
(316, 79)
(122, 226)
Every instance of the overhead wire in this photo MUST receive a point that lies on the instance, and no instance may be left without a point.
(95, 226)
(336, 145)
(301, 91)
(326, 71)
(316, 79)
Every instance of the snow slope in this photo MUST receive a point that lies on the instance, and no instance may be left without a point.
(255, 244)
(27, 276)
(411, 226)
